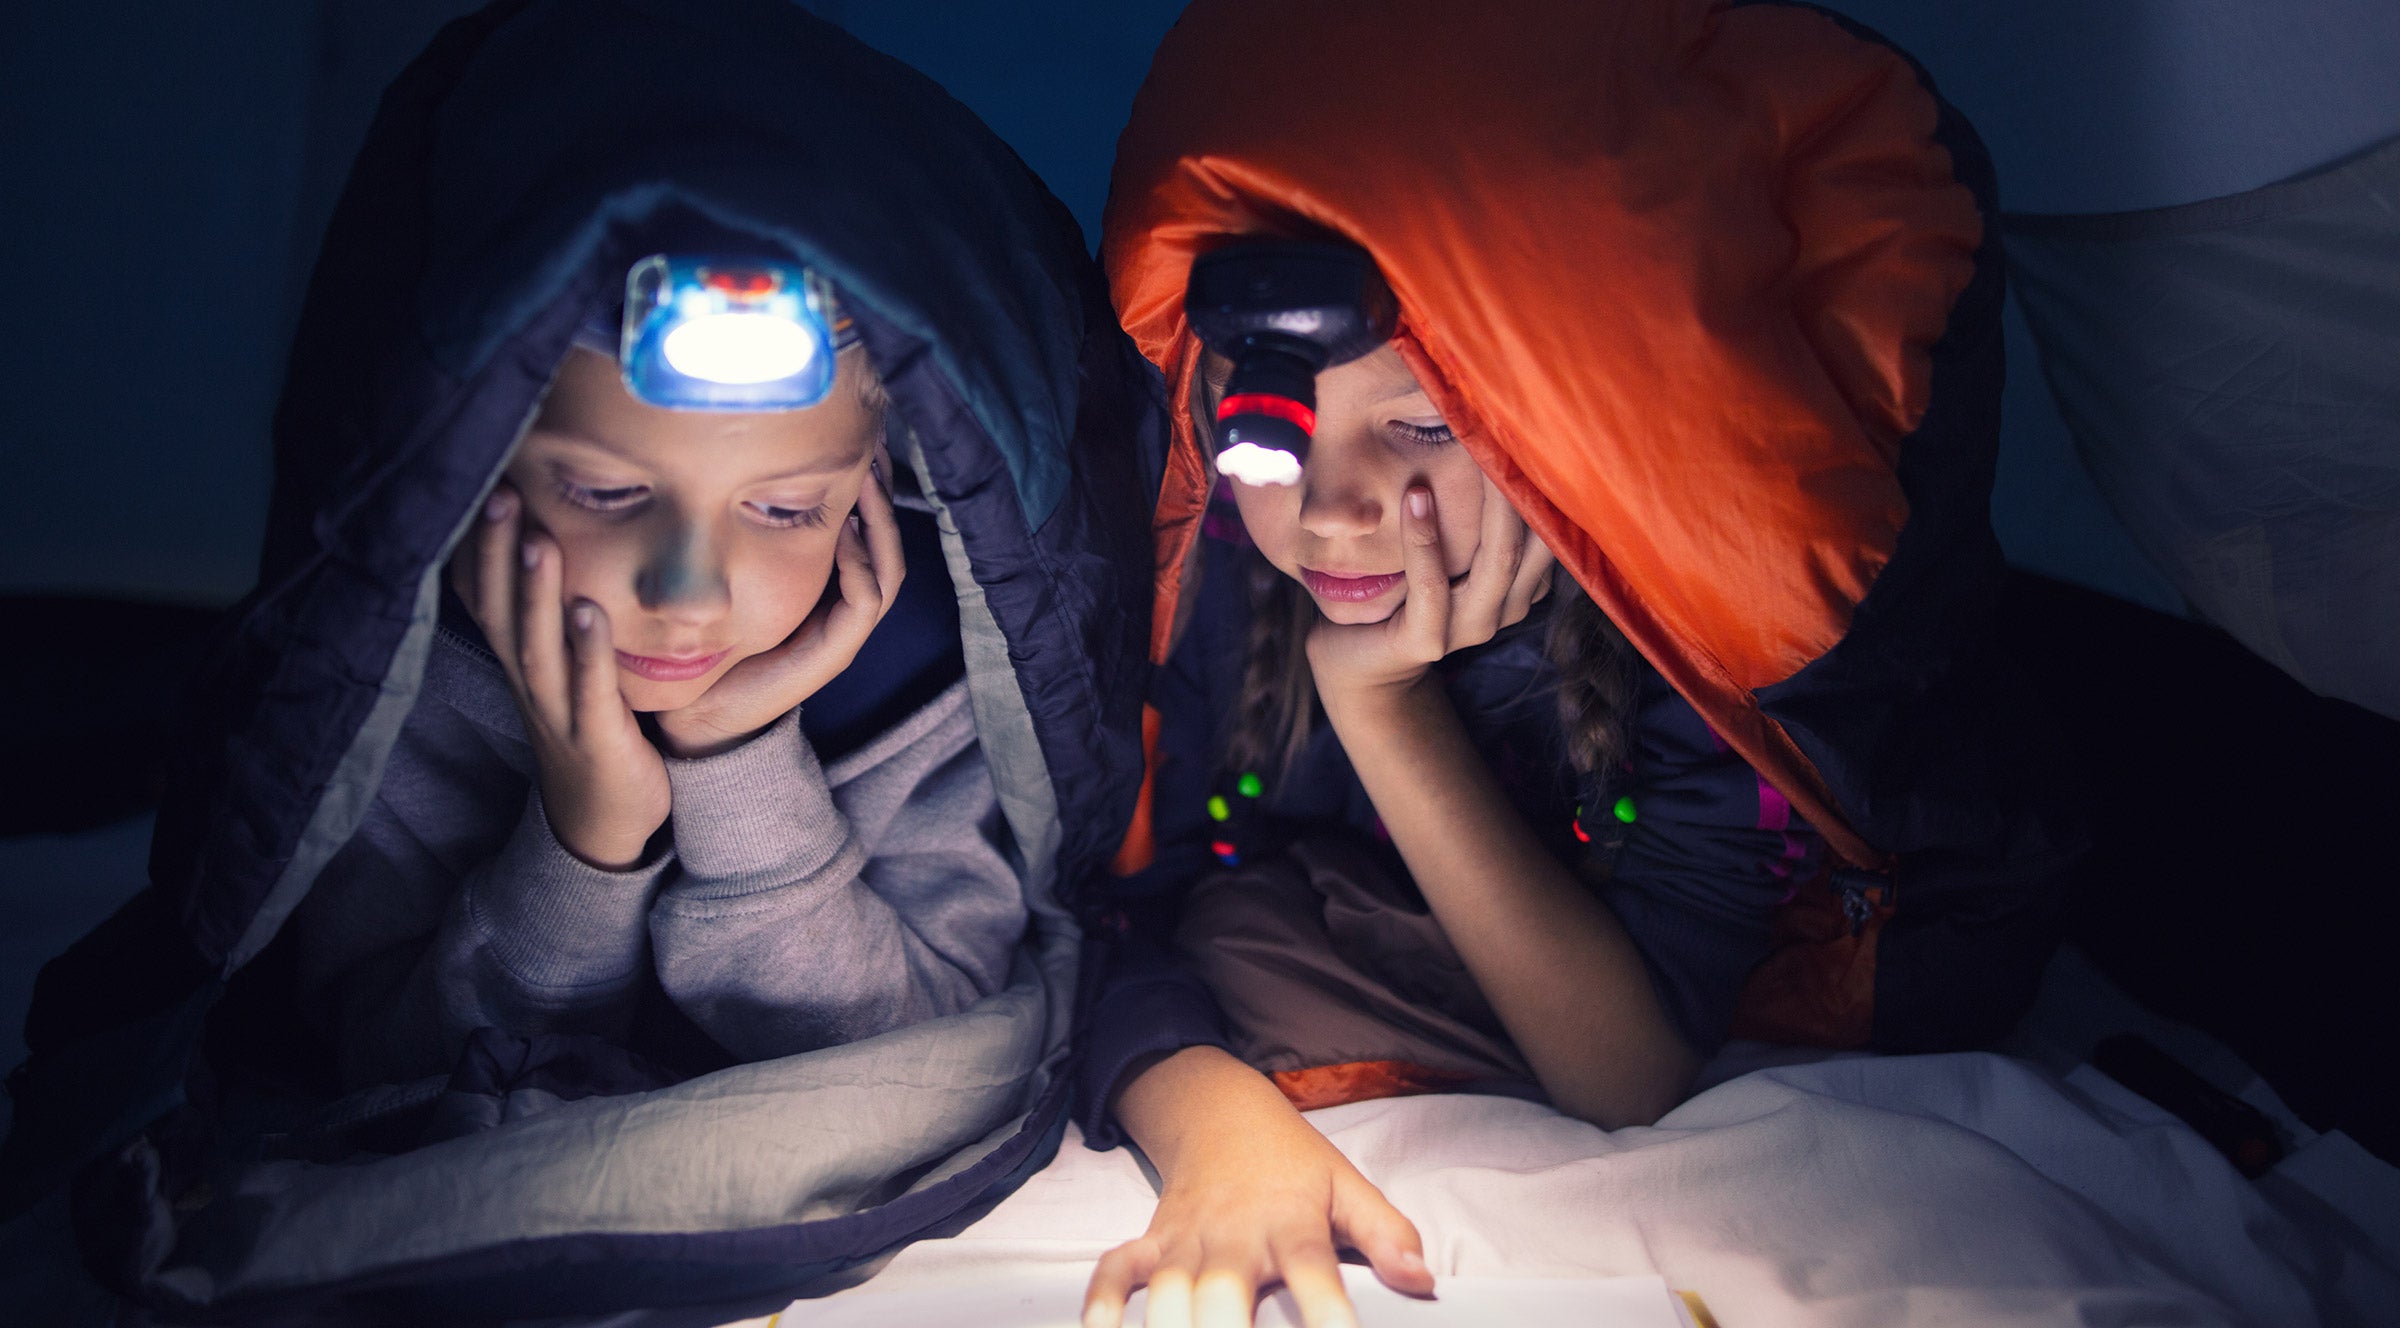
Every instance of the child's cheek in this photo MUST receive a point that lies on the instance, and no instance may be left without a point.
(602, 573)
(784, 586)
(1271, 518)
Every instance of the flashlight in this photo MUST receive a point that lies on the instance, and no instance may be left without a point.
(708, 333)
(1283, 311)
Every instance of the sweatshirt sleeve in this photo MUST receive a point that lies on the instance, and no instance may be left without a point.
(415, 935)
(1141, 1000)
(802, 919)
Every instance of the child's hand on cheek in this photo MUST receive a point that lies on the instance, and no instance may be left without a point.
(868, 566)
(1358, 665)
(604, 787)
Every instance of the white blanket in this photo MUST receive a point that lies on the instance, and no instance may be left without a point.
(1922, 1190)
(1905, 1190)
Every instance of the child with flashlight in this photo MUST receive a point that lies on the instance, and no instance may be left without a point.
(1581, 659)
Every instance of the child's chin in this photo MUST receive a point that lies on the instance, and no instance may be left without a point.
(649, 695)
(1352, 613)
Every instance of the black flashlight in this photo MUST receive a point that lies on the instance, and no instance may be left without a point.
(1282, 311)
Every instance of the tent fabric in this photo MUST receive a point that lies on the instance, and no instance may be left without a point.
(513, 173)
(2231, 374)
(1751, 252)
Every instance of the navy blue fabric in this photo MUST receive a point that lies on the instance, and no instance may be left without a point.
(1934, 749)
(1694, 878)
(1138, 1001)
(513, 172)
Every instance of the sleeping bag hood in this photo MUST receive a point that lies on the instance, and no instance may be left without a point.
(513, 173)
(1712, 292)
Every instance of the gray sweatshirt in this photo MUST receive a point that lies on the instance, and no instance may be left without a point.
(796, 907)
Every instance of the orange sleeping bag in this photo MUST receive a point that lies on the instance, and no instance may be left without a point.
(1670, 268)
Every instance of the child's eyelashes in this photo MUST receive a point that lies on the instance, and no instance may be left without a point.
(615, 498)
(620, 499)
(1425, 435)
(783, 517)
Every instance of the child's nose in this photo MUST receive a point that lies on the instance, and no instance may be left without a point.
(1338, 501)
(684, 578)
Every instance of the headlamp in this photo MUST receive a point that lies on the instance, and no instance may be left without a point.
(1283, 311)
(705, 333)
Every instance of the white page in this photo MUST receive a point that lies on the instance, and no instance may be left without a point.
(1051, 1296)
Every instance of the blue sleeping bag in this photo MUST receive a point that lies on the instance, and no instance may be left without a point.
(167, 1121)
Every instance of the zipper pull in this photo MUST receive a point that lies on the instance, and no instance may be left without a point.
(1856, 907)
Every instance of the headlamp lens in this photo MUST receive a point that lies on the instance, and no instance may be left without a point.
(1254, 465)
(738, 348)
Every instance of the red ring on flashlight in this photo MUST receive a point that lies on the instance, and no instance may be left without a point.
(1269, 404)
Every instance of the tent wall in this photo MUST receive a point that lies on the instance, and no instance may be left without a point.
(147, 160)
(2132, 105)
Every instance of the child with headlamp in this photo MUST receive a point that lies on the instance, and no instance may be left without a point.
(1575, 569)
(695, 536)
(596, 876)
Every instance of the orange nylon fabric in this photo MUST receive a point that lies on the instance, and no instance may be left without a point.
(1361, 1081)
(1139, 848)
(1670, 268)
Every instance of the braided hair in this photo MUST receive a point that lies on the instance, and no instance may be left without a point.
(1277, 705)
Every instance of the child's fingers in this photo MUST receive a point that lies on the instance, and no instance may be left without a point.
(494, 602)
(1501, 543)
(1533, 578)
(1423, 625)
(1120, 1271)
(1312, 1273)
(1366, 1221)
(1481, 598)
(541, 635)
(883, 534)
(1170, 1304)
(1225, 1294)
(598, 699)
(854, 566)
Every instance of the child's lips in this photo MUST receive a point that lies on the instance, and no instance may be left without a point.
(669, 668)
(1348, 589)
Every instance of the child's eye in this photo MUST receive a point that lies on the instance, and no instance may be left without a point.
(1427, 435)
(616, 499)
(773, 515)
